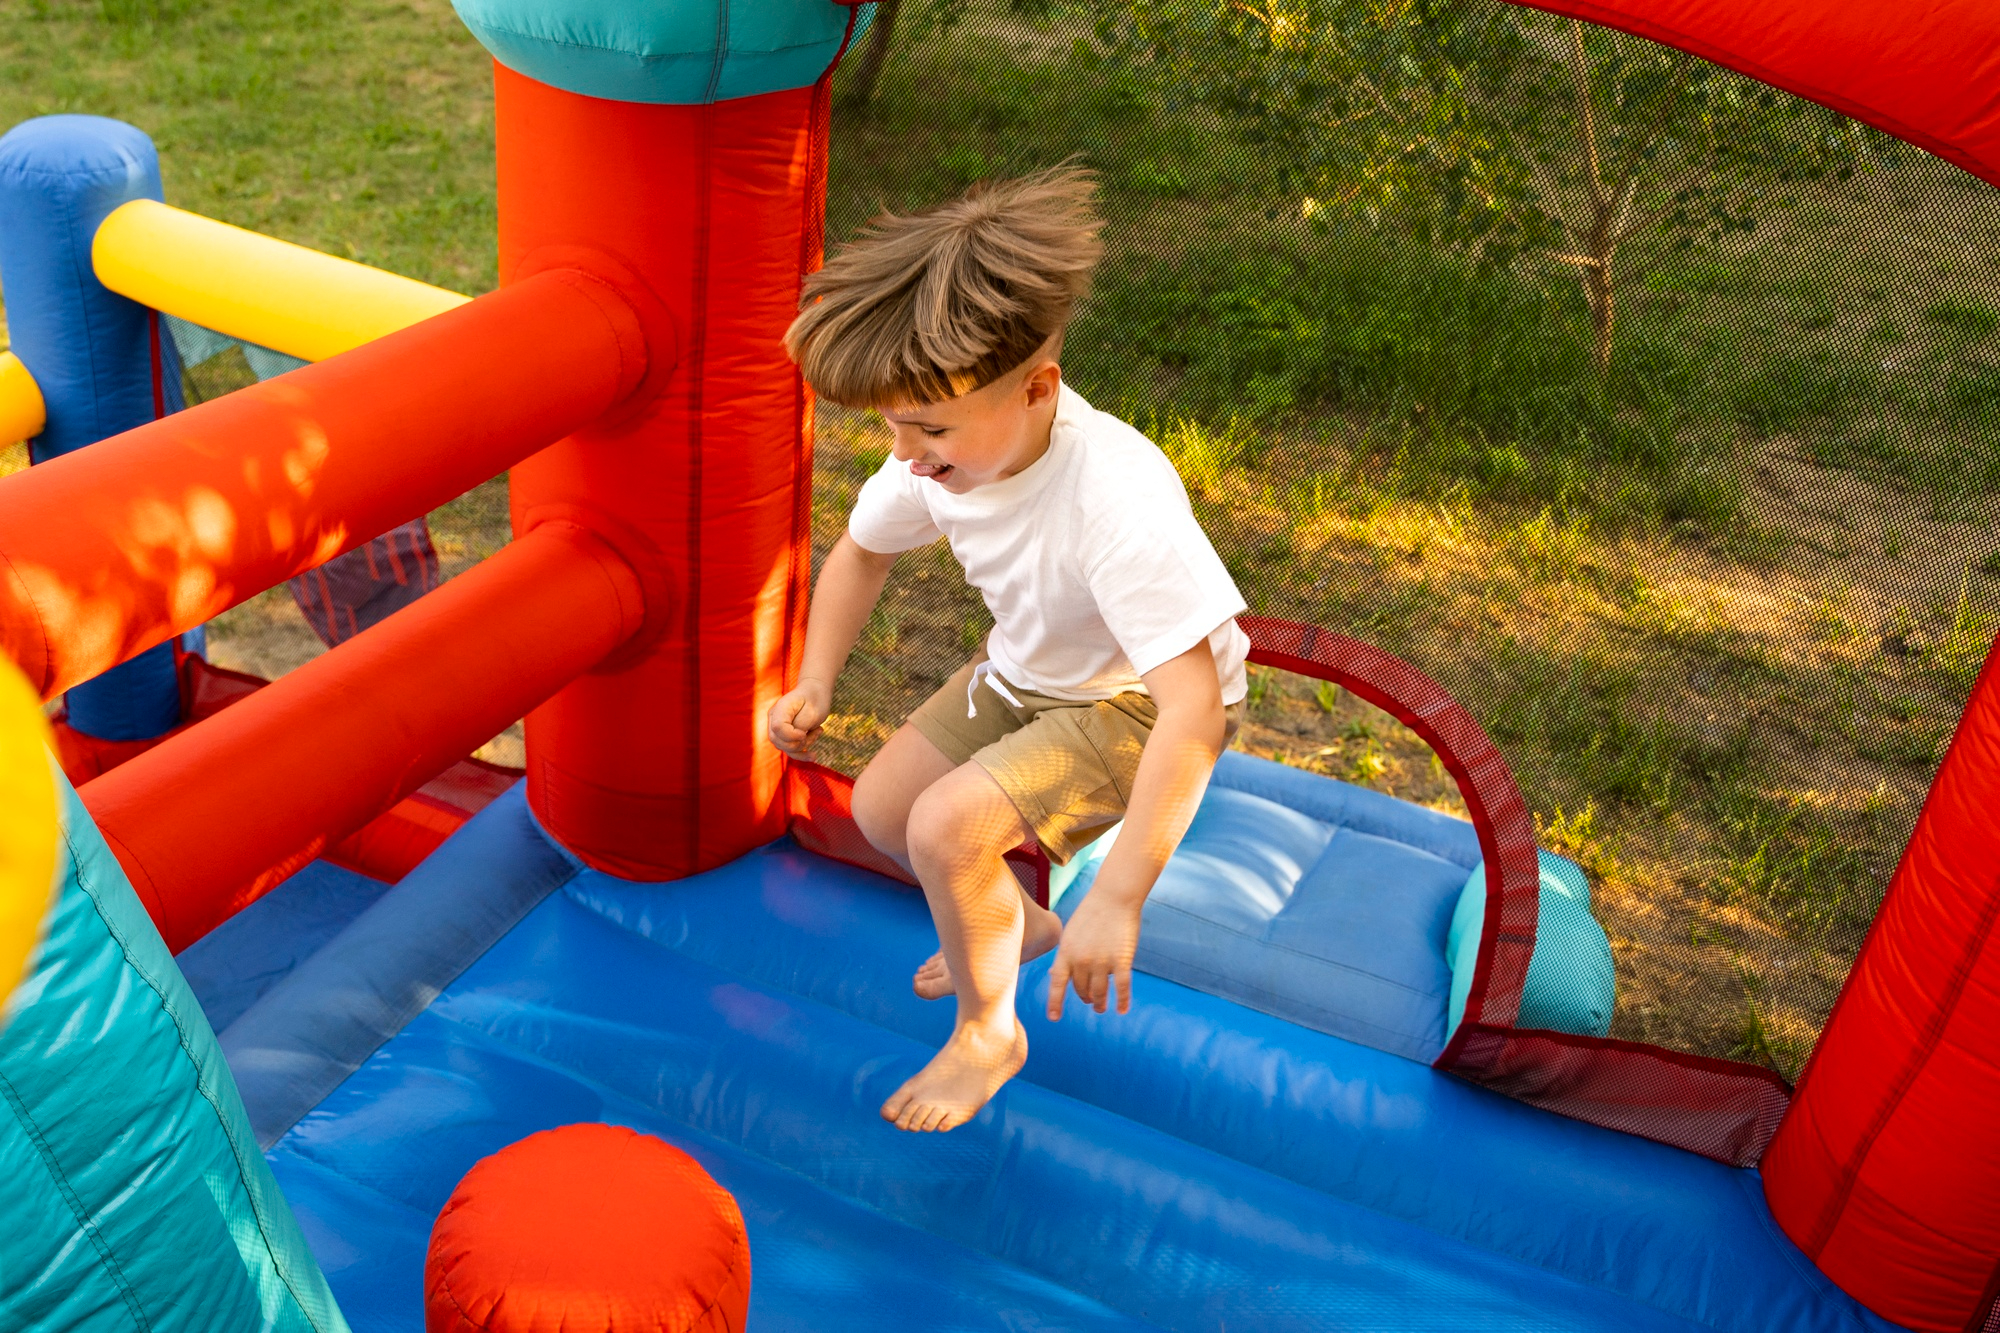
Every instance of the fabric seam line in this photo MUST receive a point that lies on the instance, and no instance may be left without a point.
(75, 1204)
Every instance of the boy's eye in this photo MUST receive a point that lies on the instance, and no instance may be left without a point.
(932, 431)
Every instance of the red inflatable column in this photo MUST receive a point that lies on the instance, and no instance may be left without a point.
(656, 765)
(1886, 1170)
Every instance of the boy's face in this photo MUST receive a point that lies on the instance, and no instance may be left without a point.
(980, 437)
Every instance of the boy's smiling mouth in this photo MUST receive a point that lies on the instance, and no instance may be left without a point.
(935, 471)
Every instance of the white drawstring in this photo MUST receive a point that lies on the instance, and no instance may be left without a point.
(985, 671)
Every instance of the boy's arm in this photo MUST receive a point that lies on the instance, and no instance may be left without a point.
(850, 583)
(1097, 945)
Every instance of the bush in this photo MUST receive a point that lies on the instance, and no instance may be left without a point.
(1467, 375)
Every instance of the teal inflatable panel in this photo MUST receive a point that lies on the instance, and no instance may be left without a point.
(1572, 985)
(681, 52)
(135, 1195)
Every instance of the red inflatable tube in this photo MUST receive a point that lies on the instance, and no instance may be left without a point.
(387, 847)
(112, 549)
(713, 215)
(210, 819)
(1887, 1169)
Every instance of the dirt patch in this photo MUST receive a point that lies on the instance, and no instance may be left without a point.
(1731, 731)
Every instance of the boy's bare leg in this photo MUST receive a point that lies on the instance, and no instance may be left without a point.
(1041, 931)
(958, 830)
(901, 771)
(884, 794)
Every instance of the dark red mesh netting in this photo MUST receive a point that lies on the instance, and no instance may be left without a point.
(381, 576)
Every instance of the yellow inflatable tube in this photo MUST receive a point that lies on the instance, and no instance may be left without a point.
(255, 288)
(28, 827)
(22, 412)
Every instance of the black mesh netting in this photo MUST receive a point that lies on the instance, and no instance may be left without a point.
(1653, 413)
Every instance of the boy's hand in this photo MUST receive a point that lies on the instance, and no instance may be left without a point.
(1095, 955)
(797, 716)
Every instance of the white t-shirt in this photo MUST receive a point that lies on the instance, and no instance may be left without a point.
(1089, 558)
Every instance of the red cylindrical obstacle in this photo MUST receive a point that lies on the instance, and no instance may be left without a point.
(587, 1229)
(211, 818)
(110, 550)
(1887, 1168)
(662, 769)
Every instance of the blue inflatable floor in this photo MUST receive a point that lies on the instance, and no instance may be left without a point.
(236, 964)
(1192, 1165)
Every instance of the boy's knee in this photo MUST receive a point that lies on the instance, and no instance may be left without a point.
(960, 819)
(928, 833)
(878, 816)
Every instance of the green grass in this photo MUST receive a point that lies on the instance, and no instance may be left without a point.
(364, 129)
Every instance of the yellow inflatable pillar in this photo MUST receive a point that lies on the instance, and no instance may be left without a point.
(255, 288)
(28, 828)
(22, 413)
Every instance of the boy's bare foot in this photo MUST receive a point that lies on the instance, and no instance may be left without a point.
(959, 1080)
(1041, 932)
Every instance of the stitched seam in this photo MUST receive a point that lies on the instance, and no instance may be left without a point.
(812, 217)
(201, 1084)
(75, 1204)
(721, 56)
(1807, 1271)
(407, 1013)
(83, 277)
(691, 655)
(1924, 1049)
(589, 286)
(639, 56)
(737, 1253)
(1987, 1306)
(1260, 941)
(1259, 994)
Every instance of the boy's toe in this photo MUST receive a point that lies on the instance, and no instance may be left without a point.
(933, 980)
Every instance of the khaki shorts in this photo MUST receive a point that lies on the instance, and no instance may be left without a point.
(1067, 765)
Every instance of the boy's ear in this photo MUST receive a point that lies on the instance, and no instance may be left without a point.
(1043, 383)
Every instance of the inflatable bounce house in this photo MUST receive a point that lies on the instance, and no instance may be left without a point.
(319, 1028)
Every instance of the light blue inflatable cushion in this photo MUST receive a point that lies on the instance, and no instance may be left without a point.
(1309, 899)
(134, 1195)
(682, 52)
(1571, 984)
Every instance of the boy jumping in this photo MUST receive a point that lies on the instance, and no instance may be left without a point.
(1113, 677)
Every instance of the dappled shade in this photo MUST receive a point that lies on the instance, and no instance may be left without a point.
(213, 817)
(111, 550)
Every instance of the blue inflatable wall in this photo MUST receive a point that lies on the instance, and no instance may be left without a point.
(97, 356)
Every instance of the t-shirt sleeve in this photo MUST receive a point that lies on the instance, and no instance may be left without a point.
(889, 517)
(1161, 587)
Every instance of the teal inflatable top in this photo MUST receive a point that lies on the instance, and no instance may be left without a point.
(683, 52)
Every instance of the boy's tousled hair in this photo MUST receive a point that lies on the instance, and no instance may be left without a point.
(927, 306)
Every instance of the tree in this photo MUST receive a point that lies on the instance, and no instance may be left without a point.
(1479, 126)
(858, 90)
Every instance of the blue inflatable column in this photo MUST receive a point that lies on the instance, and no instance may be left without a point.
(104, 362)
